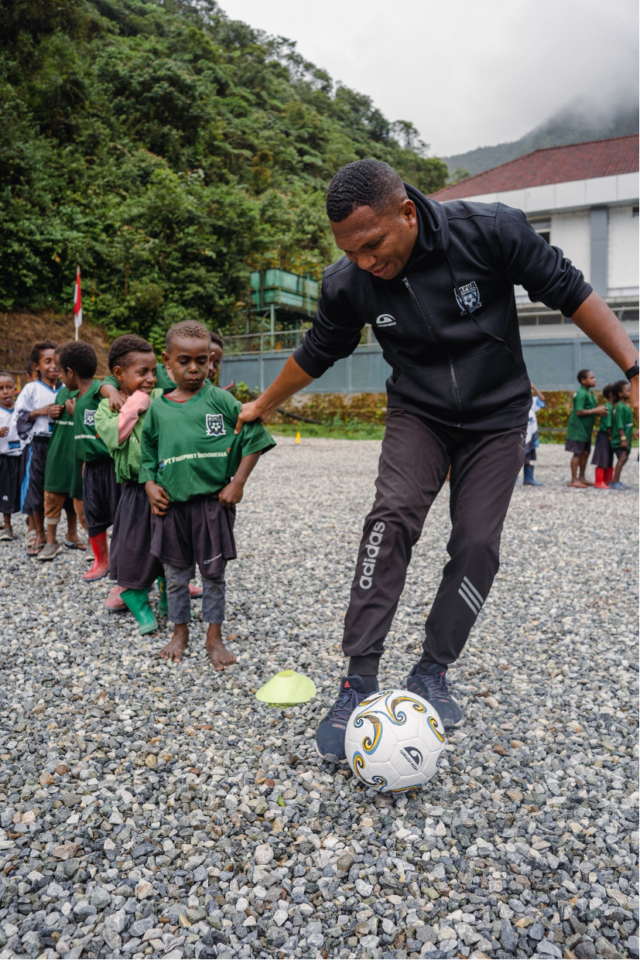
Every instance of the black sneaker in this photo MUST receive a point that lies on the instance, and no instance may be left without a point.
(432, 685)
(331, 732)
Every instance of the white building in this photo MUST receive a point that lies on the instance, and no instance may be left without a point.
(582, 198)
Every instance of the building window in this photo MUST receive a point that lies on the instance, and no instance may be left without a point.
(543, 227)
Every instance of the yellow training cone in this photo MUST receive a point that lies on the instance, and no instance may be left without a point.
(298, 437)
(287, 689)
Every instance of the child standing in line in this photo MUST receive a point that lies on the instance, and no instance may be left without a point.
(217, 351)
(100, 490)
(194, 468)
(34, 413)
(602, 458)
(63, 476)
(532, 440)
(622, 433)
(10, 451)
(133, 364)
(580, 427)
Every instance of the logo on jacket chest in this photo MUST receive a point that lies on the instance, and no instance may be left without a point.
(215, 425)
(89, 418)
(468, 297)
(385, 320)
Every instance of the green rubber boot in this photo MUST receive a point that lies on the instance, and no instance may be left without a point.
(163, 606)
(138, 602)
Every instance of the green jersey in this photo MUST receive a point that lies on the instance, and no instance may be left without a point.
(622, 420)
(606, 421)
(164, 380)
(126, 455)
(89, 446)
(190, 448)
(581, 428)
(63, 470)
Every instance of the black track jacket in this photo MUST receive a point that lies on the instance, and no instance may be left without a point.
(447, 324)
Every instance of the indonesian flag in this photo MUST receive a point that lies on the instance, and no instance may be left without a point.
(77, 302)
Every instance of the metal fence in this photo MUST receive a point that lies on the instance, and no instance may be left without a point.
(552, 364)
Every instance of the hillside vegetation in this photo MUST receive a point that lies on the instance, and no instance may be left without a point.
(167, 149)
(575, 123)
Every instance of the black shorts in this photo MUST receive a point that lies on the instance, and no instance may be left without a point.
(33, 461)
(131, 562)
(199, 530)
(10, 483)
(602, 452)
(100, 495)
(577, 446)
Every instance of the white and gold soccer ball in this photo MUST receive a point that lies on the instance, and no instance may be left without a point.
(394, 741)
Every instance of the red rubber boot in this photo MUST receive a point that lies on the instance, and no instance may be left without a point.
(100, 566)
(608, 475)
(601, 483)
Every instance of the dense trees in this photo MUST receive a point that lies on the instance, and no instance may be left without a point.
(166, 148)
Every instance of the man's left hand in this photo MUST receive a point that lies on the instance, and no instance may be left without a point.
(634, 396)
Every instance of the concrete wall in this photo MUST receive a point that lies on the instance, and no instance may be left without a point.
(623, 251)
(552, 364)
(570, 232)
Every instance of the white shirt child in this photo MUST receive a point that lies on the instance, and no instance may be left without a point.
(33, 396)
(11, 444)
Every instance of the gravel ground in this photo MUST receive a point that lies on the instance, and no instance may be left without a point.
(153, 810)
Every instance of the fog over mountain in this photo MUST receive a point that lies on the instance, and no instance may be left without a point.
(585, 118)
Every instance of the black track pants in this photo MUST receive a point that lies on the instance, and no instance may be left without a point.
(416, 455)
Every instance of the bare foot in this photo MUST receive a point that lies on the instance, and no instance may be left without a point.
(220, 657)
(179, 642)
(578, 483)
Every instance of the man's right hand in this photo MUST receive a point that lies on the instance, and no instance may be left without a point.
(290, 380)
(158, 498)
(250, 411)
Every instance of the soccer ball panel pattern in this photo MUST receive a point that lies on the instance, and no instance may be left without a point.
(394, 741)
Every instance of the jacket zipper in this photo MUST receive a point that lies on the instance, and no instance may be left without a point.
(423, 316)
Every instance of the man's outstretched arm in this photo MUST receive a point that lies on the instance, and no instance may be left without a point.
(601, 325)
(290, 380)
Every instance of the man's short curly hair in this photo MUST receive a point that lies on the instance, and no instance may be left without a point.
(188, 329)
(364, 183)
(79, 356)
(123, 348)
(39, 347)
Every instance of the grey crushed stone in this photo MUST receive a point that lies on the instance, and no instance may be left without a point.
(524, 846)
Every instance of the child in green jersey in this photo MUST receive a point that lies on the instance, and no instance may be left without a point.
(63, 476)
(622, 433)
(602, 458)
(133, 364)
(580, 427)
(194, 468)
(100, 491)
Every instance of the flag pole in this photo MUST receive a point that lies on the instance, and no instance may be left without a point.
(77, 303)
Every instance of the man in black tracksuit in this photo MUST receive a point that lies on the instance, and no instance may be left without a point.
(436, 284)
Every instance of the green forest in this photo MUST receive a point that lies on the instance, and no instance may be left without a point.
(168, 150)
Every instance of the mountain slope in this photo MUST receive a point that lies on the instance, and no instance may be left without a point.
(575, 123)
(167, 149)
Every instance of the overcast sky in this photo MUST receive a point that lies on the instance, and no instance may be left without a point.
(467, 73)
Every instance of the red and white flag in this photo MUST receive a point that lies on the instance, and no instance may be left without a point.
(77, 303)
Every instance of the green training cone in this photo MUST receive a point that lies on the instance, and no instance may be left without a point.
(287, 689)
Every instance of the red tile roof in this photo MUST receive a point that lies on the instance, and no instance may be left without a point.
(576, 161)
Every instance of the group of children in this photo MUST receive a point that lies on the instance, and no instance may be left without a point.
(615, 433)
(150, 451)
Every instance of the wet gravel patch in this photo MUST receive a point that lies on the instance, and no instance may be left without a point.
(152, 810)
